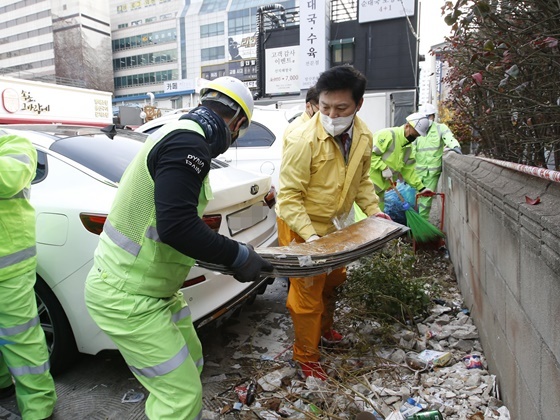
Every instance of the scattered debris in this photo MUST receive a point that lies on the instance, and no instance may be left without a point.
(428, 362)
(132, 396)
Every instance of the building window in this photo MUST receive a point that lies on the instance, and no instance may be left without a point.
(241, 22)
(213, 53)
(145, 78)
(210, 6)
(342, 51)
(161, 57)
(211, 29)
(242, 17)
(159, 37)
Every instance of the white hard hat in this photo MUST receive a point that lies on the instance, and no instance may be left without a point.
(428, 109)
(233, 89)
(420, 122)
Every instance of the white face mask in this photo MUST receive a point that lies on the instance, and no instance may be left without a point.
(336, 126)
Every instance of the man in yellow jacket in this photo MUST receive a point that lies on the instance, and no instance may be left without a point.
(393, 152)
(24, 358)
(429, 155)
(325, 168)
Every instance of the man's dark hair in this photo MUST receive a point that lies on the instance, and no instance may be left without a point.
(312, 95)
(342, 78)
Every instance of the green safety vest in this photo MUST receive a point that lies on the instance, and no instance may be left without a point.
(18, 164)
(130, 255)
(392, 149)
(429, 149)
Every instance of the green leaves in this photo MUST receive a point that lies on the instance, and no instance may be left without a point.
(384, 284)
(506, 55)
(488, 45)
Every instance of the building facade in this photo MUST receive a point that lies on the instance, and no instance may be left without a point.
(49, 40)
(170, 47)
(145, 47)
(162, 51)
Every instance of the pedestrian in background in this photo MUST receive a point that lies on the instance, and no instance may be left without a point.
(24, 357)
(393, 152)
(325, 168)
(429, 154)
(311, 107)
(151, 239)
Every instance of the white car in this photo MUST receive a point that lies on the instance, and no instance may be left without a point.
(77, 177)
(259, 150)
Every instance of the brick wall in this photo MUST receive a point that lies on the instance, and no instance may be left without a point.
(506, 255)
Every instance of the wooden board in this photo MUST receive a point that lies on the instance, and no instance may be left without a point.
(332, 251)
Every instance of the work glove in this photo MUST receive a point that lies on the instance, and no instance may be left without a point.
(250, 270)
(387, 173)
(312, 238)
(425, 192)
(457, 150)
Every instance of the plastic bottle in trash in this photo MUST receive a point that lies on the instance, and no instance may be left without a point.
(251, 393)
(415, 362)
(426, 415)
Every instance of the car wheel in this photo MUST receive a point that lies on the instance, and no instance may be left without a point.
(59, 336)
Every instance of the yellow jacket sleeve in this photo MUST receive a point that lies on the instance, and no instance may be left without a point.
(295, 173)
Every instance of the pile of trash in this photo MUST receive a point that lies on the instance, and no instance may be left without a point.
(435, 368)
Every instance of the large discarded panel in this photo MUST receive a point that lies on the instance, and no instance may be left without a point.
(332, 251)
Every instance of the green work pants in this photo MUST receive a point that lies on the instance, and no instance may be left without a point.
(430, 180)
(24, 357)
(158, 341)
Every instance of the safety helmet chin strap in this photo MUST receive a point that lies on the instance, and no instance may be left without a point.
(237, 112)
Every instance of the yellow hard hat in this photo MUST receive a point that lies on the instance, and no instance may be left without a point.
(234, 89)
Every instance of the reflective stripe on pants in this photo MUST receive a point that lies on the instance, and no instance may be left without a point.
(311, 302)
(158, 341)
(23, 350)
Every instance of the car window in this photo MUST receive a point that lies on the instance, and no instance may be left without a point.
(41, 171)
(107, 157)
(256, 136)
(151, 130)
(297, 114)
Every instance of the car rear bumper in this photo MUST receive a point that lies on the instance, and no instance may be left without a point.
(225, 311)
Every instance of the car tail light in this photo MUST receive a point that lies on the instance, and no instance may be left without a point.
(213, 221)
(93, 222)
(270, 198)
(192, 282)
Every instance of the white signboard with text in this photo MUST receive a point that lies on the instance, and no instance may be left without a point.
(372, 10)
(30, 102)
(179, 85)
(313, 32)
(282, 70)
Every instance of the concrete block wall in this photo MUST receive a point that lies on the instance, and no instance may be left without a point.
(506, 255)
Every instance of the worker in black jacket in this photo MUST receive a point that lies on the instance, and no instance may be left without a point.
(151, 239)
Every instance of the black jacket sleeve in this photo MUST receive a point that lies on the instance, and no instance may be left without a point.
(178, 164)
